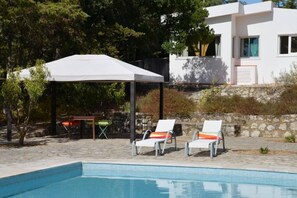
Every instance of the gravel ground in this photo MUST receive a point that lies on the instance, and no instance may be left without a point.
(241, 153)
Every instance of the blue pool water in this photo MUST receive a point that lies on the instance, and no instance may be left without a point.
(119, 180)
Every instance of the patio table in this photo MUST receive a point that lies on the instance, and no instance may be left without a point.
(86, 118)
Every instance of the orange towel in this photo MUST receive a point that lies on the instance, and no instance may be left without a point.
(70, 123)
(207, 136)
(161, 135)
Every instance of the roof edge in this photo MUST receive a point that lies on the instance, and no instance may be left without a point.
(238, 8)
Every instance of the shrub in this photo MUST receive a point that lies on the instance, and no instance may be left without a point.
(210, 93)
(176, 104)
(290, 139)
(217, 104)
(247, 106)
(234, 104)
(286, 104)
(264, 150)
(288, 78)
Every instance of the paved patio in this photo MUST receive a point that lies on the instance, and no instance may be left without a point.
(241, 154)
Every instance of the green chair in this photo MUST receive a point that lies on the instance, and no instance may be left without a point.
(103, 125)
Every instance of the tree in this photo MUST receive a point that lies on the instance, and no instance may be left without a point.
(59, 29)
(133, 29)
(185, 22)
(89, 98)
(114, 27)
(34, 29)
(200, 36)
(285, 3)
(290, 4)
(22, 96)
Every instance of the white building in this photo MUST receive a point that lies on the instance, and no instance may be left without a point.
(253, 44)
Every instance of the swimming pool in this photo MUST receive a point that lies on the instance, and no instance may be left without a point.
(130, 180)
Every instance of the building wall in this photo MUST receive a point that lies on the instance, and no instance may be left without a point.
(223, 26)
(201, 70)
(268, 26)
(232, 22)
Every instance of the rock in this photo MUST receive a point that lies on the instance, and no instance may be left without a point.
(275, 134)
(262, 127)
(270, 127)
(255, 133)
(287, 134)
(245, 133)
(283, 126)
(254, 126)
(293, 126)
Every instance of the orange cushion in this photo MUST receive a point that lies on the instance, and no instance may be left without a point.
(161, 135)
(207, 136)
(70, 123)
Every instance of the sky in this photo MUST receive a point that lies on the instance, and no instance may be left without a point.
(252, 1)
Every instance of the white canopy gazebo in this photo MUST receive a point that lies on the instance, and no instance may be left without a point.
(99, 68)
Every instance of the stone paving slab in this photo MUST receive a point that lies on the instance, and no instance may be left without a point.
(56, 151)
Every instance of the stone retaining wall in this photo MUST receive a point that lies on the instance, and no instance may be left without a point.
(262, 93)
(233, 124)
(246, 125)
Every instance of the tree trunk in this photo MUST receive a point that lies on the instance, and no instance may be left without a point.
(7, 109)
(8, 116)
(21, 140)
(22, 134)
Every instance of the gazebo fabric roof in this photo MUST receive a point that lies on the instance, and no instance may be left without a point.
(95, 68)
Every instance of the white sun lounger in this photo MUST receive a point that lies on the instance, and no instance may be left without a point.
(163, 133)
(208, 138)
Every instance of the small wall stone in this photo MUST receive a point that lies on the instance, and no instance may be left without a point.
(255, 133)
(245, 133)
(283, 126)
(287, 134)
(262, 126)
(270, 127)
(293, 126)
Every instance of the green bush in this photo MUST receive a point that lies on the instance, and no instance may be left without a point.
(176, 104)
(234, 104)
(290, 139)
(248, 106)
(264, 150)
(217, 104)
(286, 104)
(211, 102)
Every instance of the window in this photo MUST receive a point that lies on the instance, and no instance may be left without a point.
(288, 44)
(293, 44)
(249, 47)
(284, 45)
(214, 48)
(210, 49)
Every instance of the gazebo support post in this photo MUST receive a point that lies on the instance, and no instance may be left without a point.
(161, 110)
(53, 108)
(132, 110)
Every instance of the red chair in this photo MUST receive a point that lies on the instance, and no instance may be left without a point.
(68, 124)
